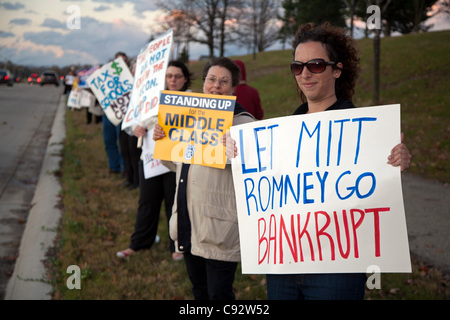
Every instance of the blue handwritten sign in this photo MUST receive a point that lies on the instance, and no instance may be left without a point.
(112, 85)
(315, 195)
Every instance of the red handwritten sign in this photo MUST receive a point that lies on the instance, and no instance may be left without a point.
(314, 193)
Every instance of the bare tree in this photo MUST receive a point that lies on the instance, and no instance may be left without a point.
(257, 24)
(182, 29)
(216, 23)
(267, 30)
(207, 20)
(229, 17)
(200, 16)
(351, 5)
(419, 8)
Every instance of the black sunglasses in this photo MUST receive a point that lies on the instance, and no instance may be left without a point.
(314, 66)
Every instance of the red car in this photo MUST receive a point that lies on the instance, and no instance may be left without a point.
(6, 77)
(34, 79)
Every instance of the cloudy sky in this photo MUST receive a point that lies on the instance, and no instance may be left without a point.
(42, 33)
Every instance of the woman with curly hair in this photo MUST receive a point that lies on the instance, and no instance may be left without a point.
(325, 68)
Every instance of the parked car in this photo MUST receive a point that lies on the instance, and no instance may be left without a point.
(6, 77)
(34, 79)
(49, 77)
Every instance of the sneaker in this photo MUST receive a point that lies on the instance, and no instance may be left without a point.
(177, 256)
(125, 253)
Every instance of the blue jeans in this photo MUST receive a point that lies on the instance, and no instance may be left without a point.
(335, 286)
(111, 140)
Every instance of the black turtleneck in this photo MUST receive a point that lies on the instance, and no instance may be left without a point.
(339, 104)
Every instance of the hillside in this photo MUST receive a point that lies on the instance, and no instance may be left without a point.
(414, 72)
(99, 213)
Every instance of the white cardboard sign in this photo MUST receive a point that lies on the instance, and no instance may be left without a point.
(112, 85)
(149, 80)
(152, 167)
(315, 194)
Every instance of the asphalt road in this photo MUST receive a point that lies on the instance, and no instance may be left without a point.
(26, 117)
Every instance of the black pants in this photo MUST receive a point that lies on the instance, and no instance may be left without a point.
(211, 279)
(98, 119)
(152, 193)
(131, 156)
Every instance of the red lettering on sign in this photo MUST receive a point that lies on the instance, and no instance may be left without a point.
(327, 231)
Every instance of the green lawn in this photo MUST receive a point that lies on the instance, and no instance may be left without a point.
(99, 213)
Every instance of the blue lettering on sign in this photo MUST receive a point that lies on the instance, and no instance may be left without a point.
(116, 89)
(273, 192)
(259, 149)
(317, 133)
(279, 192)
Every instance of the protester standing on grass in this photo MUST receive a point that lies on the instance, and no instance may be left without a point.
(111, 135)
(130, 152)
(325, 69)
(246, 95)
(156, 189)
(68, 81)
(204, 219)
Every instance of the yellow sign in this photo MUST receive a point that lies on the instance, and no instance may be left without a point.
(194, 124)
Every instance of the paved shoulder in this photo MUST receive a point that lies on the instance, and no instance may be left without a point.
(427, 209)
(28, 281)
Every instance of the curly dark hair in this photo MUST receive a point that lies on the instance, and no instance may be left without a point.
(226, 63)
(340, 47)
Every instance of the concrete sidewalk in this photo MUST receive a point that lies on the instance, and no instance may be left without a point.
(28, 281)
(427, 210)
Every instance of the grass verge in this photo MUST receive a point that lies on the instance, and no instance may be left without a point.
(98, 220)
(99, 213)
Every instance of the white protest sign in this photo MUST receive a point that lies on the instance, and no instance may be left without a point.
(83, 75)
(315, 195)
(112, 85)
(149, 80)
(87, 99)
(152, 167)
(79, 98)
(74, 98)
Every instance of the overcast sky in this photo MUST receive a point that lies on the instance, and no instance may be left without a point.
(36, 32)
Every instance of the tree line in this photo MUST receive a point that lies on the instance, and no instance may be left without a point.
(258, 24)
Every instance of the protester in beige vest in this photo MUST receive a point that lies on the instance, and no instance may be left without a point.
(204, 219)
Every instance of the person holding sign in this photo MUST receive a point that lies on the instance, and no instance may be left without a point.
(157, 188)
(325, 69)
(130, 152)
(111, 134)
(248, 96)
(204, 217)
